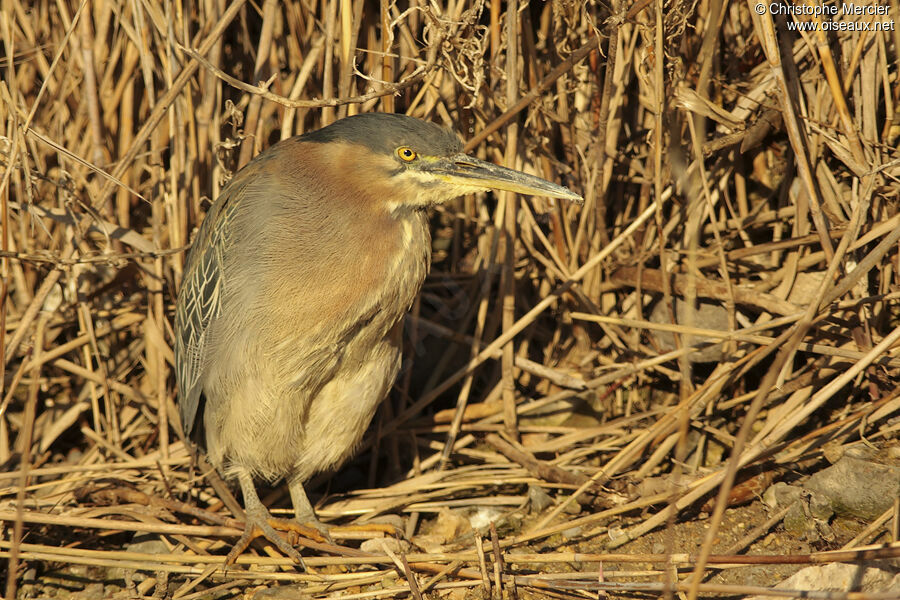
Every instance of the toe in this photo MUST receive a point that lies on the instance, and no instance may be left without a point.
(321, 529)
(255, 528)
(282, 544)
(313, 530)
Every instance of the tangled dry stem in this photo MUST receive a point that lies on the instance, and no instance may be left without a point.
(724, 160)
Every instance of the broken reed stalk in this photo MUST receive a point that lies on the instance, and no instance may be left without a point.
(723, 160)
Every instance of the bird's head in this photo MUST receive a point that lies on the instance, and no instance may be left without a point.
(409, 163)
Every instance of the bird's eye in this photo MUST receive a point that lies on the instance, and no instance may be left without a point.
(407, 154)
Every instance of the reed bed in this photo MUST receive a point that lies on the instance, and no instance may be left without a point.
(719, 315)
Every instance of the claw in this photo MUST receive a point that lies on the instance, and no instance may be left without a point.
(265, 527)
(313, 530)
(319, 531)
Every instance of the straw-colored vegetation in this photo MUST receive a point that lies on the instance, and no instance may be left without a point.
(727, 164)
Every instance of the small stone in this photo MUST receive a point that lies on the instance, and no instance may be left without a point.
(707, 314)
(783, 494)
(615, 532)
(395, 521)
(571, 508)
(538, 499)
(431, 544)
(92, 591)
(377, 545)
(842, 577)
(482, 517)
(768, 496)
(820, 507)
(147, 543)
(448, 525)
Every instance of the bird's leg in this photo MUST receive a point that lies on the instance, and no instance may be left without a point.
(303, 510)
(305, 514)
(259, 522)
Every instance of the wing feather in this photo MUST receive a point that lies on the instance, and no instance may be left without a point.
(200, 303)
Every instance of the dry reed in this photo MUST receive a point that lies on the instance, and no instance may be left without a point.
(724, 159)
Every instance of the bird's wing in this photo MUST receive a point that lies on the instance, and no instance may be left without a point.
(199, 304)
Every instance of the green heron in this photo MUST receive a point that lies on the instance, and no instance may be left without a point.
(288, 322)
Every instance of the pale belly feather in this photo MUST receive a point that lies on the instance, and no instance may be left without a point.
(294, 431)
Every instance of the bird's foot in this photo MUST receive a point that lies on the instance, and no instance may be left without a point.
(264, 525)
(313, 528)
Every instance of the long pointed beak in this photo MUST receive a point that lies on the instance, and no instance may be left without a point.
(468, 171)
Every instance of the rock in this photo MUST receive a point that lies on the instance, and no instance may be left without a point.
(839, 577)
(449, 525)
(92, 591)
(538, 499)
(147, 543)
(858, 487)
(571, 508)
(482, 517)
(291, 591)
(709, 315)
(377, 545)
(809, 511)
(446, 527)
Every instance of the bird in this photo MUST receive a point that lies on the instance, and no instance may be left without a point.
(289, 316)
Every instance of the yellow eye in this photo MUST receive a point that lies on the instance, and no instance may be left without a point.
(407, 154)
